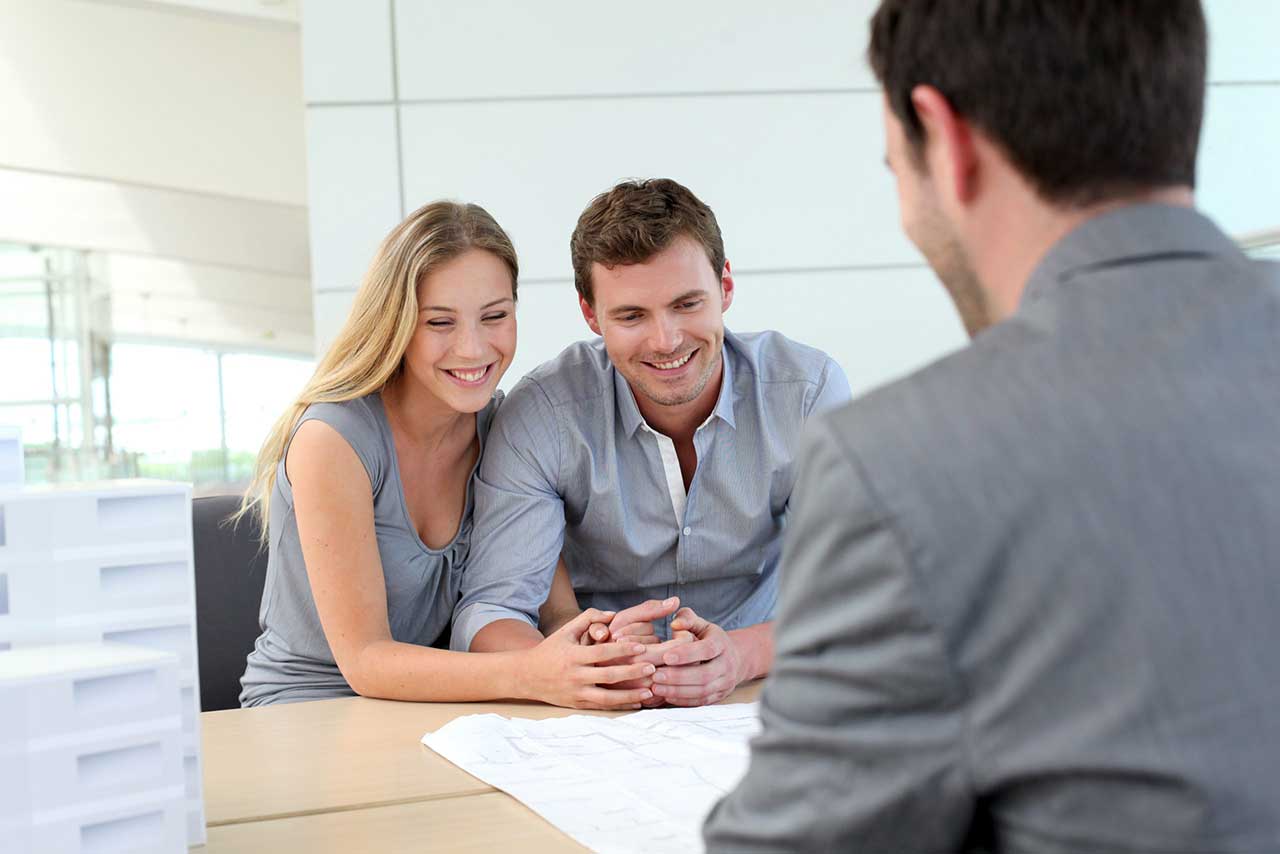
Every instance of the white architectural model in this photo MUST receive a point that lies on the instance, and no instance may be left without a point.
(108, 562)
(91, 750)
(11, 466)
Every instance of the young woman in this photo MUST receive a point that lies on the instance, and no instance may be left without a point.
(363, 490)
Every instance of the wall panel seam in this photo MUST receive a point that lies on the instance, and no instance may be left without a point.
(759, 271)
(629, 96)
(395, 95)
(144, 185)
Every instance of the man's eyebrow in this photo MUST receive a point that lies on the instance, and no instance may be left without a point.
(688, 295)
(625, 309)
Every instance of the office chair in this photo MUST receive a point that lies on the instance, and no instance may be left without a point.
(230, 571)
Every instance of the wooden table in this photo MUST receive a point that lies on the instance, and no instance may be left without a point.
(352, 775)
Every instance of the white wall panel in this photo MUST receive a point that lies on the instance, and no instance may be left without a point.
(355, 195)
(346, 50)
(573, 47)
(330, 313)
(877, 324)
(1243, 38)
(495, 48)
(797, 181)
(548, 320)
(150, 96)
(1239, 170)
(90, 214)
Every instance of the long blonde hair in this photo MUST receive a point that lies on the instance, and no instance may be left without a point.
(369, 349)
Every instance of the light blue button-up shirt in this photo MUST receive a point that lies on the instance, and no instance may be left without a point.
(571, 466)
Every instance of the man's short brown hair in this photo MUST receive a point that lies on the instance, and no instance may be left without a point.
(634, 222)
(1092, 99)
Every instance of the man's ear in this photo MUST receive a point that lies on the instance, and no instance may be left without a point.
(726, 287)
(589, 314)
(949, 144)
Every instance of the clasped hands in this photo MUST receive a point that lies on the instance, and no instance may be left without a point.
(698, 666)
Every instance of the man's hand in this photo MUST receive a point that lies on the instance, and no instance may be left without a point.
(702, 672)
(633, 624)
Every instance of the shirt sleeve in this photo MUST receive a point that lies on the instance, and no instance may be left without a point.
(862, 744)
(518, 527)
(833, 390)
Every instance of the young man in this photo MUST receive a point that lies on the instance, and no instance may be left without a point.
(1030, 593)
(658, 459)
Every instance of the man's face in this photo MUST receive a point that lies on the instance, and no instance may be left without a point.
(927, 226)
(662, 321)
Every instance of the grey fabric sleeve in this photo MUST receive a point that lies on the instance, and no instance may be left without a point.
(519, 518)
(863, 740)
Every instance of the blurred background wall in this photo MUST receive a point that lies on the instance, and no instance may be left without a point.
(767, 111)
(155, 299)
(190, 190)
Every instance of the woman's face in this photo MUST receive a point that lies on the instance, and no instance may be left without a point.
(466, 333)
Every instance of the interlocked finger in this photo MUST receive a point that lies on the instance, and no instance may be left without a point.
(601, 653)
(639, 632)
(578, 626)
(619, 673)
(688, 653)
(709, 700)
(653, 653)
(689, 674)
(612, 698)
(596, 633)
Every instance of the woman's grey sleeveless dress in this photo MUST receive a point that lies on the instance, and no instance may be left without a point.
(291, 660)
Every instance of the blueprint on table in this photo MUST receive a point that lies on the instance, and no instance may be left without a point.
(641, 782)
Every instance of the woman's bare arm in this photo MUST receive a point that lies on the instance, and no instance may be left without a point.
(333, 502)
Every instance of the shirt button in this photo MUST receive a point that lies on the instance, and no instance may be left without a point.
(688, 531)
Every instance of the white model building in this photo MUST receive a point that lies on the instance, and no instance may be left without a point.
(11, 466)
(107, 562)
(91, 750)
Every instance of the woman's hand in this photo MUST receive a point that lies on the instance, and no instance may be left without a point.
(564, 672)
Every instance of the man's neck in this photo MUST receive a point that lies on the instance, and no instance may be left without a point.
(680, 421)
(1020, 235)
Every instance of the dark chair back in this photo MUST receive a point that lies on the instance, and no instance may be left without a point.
(230, 571)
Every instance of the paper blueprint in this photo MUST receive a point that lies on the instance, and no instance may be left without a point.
(640, 782)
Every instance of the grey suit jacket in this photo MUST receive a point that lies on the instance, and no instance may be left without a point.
(1031, 594)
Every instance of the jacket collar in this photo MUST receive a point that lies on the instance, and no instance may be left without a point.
(1127, 235)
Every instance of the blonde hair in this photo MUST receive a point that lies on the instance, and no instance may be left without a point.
(369, 349)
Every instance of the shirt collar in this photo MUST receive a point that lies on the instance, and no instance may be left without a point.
(1124, 236)
(629, 411)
